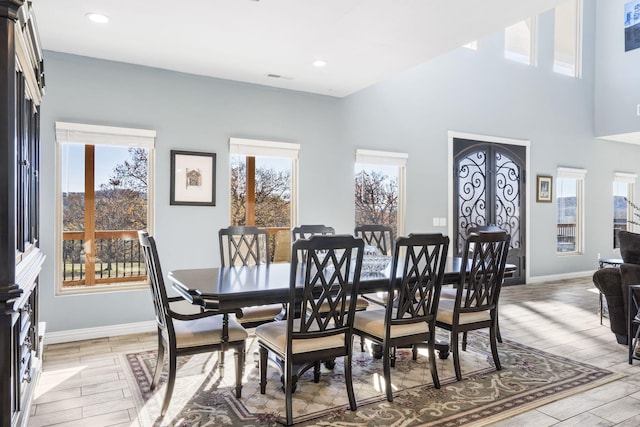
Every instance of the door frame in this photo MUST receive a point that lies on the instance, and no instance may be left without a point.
(451, 135)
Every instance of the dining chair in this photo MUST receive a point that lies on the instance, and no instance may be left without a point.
(409, 317)
(185, 334)
(476, 303)
(329, 273)
(381, 237)
(304, 232)
(451, 292)
(248, 246)
(377, 235)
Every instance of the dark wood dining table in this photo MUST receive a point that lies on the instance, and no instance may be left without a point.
(238, 287)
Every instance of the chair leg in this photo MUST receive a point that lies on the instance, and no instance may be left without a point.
(432, 361)
(263, 369)
(239, 359)
(171, 380)
(316, 372)
(393, 357)
(464, 341)
(386, 366)
(494, 347)
(221, 363)
(159, 363)
(362, 344)
(414, 352)
(288, 391)
(456, 355)
(348, 379)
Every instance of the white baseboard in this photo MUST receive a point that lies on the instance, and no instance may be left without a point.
(99, 332)
(564, 276)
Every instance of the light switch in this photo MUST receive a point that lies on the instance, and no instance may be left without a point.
(443, 222)
(436, 222)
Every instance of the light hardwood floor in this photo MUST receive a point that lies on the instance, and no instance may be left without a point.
(558, 317)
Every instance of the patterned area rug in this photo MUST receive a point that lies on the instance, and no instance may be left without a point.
(529, 378)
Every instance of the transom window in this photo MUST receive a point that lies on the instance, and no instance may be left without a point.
(520, 42)
(568, 38)
(105, 196)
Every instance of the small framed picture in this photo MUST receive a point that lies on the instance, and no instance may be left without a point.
(543, 189)
(193, 178)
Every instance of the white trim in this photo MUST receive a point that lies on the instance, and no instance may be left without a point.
(99, 332)
(374, 157)
(451, 135)
(257, 147)
(629, 178)
(80, 133)
(576, 173)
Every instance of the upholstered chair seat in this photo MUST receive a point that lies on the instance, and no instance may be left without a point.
(206, 331)
(275, 334)
(372, 322)
(447, 307)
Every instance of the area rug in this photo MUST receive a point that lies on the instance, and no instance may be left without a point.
(203, 397)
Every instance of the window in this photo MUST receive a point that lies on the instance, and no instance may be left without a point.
(570, 205)
(567, 38)
(520, 42)
(264, 189)
(472, 45)
(380, 188)
(105, 196)
(623, 212)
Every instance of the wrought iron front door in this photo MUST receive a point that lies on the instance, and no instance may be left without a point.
(490, 190)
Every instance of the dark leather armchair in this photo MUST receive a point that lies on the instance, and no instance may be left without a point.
(614, 283)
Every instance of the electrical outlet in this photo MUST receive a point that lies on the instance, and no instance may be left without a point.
(443, 222)
(638, 109)
(436, 222)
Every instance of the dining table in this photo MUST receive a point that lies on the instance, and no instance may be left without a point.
(233, 288)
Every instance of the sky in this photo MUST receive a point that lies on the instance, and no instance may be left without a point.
(106, 159)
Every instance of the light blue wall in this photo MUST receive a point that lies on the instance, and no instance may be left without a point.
(190, 113)
(617, 84)
(463, 91)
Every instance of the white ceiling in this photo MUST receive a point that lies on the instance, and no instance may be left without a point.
(362, 41)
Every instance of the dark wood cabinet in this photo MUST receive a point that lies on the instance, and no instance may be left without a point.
(21, 91)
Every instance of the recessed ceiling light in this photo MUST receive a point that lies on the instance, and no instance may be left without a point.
(97, 18)
(319, 63)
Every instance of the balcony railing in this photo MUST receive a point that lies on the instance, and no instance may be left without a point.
(118, 258)
(566, 238)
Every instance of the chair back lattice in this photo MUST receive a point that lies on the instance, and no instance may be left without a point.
(421, 258)
(485, 257)
(328, 275)
(380, 236)
(243, 245)
(156, 281)
(306, 231)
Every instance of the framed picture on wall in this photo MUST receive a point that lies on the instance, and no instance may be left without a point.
(543, 189)
(193, 178)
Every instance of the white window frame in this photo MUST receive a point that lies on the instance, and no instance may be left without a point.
(257, 148)
(577, 60)
(533, 44)
(630, 180)
(87, 134)
(579, 175)
(389, 158)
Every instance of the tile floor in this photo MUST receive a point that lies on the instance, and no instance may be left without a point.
(559, 317)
